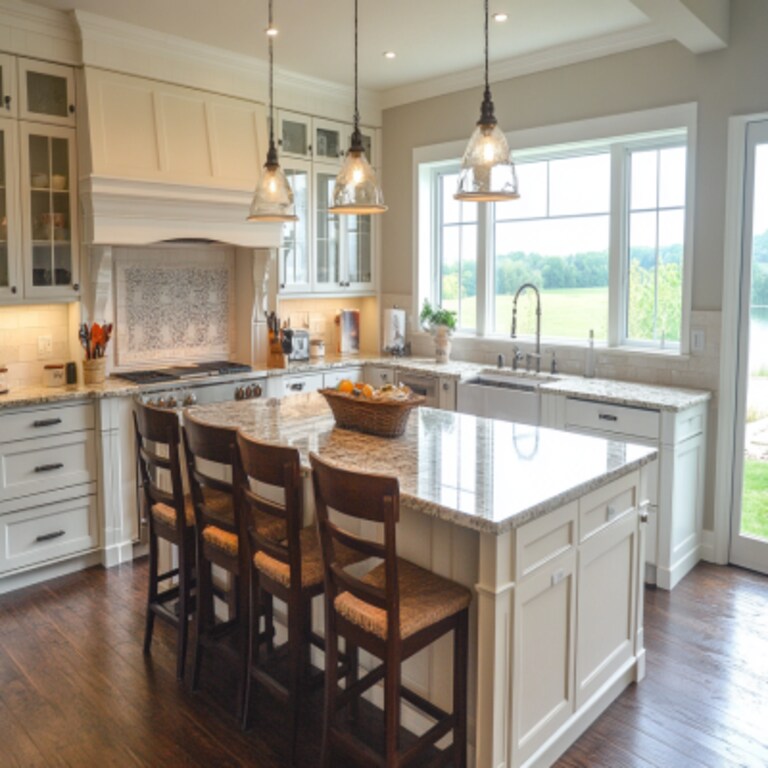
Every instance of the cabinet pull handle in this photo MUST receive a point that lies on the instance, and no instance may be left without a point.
(7, 101)
(46, 422)
(607, 417)
(49, 467)
(13, 289)
(71, 109)
(296, 386)
(49, 536)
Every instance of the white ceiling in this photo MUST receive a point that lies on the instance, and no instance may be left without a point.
(432, 38)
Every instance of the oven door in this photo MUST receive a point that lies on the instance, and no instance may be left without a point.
(425, 385)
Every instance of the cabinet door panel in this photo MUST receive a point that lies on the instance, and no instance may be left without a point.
(184, 135)
(295, 249)
(294, 134)
(47, 92)
(544, 623)
(327, 234)
(8, 98)
(10, 220)
(606, 605)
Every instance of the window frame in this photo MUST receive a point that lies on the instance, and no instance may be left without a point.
(656, 128)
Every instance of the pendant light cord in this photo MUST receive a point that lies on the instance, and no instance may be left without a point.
(272, 152)
(487, 87)
(487, 116)
(356, 139)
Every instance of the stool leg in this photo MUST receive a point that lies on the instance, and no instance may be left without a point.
(331, 683)
(296, 663)
(254, 612)
(185, 581)
(460, 654)
(392, 706)
(202, 616)
(151, 591)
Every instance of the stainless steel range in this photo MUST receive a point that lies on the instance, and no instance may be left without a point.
(209, 382)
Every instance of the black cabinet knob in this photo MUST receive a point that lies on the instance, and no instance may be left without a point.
(76, 287)
(7, 102)
(13, 289)
(71, 109)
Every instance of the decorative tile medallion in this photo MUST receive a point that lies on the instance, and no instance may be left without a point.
(174, 304)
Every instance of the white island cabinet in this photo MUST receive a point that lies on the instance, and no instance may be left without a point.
(673, 421)
(545, 526)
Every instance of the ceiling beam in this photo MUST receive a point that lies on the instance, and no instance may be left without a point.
(699, 25)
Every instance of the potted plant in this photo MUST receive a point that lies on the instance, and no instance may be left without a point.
(441, 323)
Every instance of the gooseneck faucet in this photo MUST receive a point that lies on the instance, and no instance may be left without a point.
(537, 355)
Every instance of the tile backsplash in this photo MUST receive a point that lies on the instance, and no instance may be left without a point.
(20, 331)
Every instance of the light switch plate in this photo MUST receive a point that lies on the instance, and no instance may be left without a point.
(44, 346)
(697, 340)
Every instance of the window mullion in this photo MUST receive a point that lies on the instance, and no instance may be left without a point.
(484, 282)
(618, 261)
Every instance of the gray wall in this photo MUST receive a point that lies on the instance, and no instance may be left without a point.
(724, 83)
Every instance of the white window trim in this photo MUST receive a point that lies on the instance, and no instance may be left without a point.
(630, 126)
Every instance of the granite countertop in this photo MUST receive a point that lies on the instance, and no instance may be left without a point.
(490, 476)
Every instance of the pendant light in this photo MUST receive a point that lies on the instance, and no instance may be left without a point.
(273, 198)
(487, 171)
(357, 190)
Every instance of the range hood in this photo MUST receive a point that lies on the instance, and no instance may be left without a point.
(162, 162)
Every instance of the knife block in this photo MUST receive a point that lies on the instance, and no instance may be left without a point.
(277, 358)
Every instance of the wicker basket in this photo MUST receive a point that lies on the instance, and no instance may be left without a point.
(385, 418)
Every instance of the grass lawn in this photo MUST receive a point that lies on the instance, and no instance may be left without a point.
(754, 509)
(565, 313)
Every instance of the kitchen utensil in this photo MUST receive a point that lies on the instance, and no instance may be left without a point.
(54, 375)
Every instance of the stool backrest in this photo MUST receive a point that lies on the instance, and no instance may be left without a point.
(157, 449)
(216, 446)
(262, 464)
(366, 497)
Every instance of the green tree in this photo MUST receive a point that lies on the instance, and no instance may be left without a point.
(653, 314)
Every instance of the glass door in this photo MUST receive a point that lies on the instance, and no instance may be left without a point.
(295, 246)
(327, 233)
(749, 526)
(47, 92)
(7, 86)
(9, 221)
(358, 250)
(49, 216)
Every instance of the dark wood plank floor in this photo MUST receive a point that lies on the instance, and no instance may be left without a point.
(76, 690)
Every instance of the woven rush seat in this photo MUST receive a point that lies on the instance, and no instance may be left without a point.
(425, 599)
(311, 561)
(219, 503)
(227, 542)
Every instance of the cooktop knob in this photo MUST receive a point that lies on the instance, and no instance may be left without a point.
(239, 393)
(171, 402)
(249, 391)
(257, 391)
(160, 403)
(190, 399)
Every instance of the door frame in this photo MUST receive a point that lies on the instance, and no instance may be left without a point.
(728, 410)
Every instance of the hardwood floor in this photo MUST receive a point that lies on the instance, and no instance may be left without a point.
(76, 690)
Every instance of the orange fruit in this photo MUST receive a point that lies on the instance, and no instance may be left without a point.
(367, 390)
(345, 385)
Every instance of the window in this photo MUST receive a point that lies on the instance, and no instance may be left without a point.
(600, 229)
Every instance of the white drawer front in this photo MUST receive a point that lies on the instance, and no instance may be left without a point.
(293, 385)
(332, 378)
(42, 422)
(34, 466)
(614, 419)
(40, 534)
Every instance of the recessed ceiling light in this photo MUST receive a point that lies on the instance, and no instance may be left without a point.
(271, 31)
(500, 17)
(389, 54)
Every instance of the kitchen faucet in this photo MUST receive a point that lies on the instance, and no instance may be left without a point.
(537, 354)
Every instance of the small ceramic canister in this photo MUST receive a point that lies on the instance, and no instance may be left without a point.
(54, 375)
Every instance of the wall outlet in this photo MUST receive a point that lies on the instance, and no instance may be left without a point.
(698, 340)
(44, 346)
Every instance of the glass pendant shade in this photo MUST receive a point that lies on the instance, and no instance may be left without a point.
(357, 190)
(487, 173)
(273, 198)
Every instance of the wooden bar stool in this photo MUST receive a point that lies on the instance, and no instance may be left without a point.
(209, 453)
(171, 518)
(393, 611)
(269, 485)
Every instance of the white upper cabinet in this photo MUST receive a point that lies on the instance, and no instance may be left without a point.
(10, 219)
(46, 92)
(331, 140)
(8, 98)
(154, 131)
(293, 134)
(295, 268)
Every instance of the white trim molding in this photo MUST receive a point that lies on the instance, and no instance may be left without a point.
(42, 33)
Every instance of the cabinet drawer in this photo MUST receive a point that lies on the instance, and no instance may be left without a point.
(377, 376)
(36, 535)
(614, 419)
(42, 422)
(542, 540)
(606, 505)
(292, 385)
(34, 466)
(332, 378)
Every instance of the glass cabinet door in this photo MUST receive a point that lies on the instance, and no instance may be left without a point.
(47, 92)
(358, 251)
(327, 234)
(329, 141)
(294, 135)
(9, 221)
(7, 86)
(295, 246)
(50, 213)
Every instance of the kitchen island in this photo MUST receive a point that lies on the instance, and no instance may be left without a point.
(543, 525)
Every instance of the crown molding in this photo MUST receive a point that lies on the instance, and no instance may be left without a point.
(538, 61)
(135, 50)
(31, 30)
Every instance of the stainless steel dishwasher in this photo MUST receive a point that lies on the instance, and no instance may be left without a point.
(422, 384)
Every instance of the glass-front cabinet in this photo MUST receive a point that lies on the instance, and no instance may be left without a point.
(295, 248)
(331, 140)
(8, 98)
(9, 219)
(294, 135)
(50, 211)
(47, 92)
